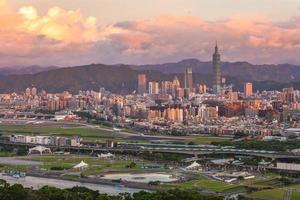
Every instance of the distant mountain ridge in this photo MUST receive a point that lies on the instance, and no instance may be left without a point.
(33, 69)
(282, 73)
(123, 78)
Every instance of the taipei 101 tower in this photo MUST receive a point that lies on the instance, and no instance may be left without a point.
(217, 71)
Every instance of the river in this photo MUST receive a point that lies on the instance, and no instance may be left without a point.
(38, 182)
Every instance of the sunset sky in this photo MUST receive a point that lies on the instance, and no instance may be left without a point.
(76, 32)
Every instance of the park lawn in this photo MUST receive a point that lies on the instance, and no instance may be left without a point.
(72, 176)
(295, 195)
(261, 183)
(221, 187)
(106, 166)
(95, 165)
(49, 166)
(59, 159)
(275, 194)
(103, 140)
(6, 154)
(205, 184)
(23, 168)
(206, 140)
(272, 194)
(37, 129)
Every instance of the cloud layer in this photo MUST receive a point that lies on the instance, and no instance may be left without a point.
(66, 37)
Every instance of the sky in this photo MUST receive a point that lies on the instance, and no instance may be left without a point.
(79, 32)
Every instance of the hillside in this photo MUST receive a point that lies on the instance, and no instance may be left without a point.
(14, 70)
(123, 78)
(283, 73)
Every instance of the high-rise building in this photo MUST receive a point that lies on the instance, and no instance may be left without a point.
(153, 87)
(248, 89)
(202, 88)
(33, 91)
(233, 96)
(176, 86)
(289, 95)
(186, 93)
(166, 87)
(217, 71)
(188, 79)
(28, 92)
(142, 88)
(176, 82)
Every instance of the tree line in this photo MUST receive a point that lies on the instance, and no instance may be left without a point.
(18, 192)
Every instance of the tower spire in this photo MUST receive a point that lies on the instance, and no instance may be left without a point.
(216, 47)
(217, 70)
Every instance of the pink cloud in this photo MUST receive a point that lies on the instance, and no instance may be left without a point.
(66, 37)
(252, 38)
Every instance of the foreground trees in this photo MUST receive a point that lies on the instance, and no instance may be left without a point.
(18, 192)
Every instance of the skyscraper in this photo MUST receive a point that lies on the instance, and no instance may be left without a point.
(188, 79)
(166, 87)
(142, 84)
(153, 87)
(217, 71)
(248, 89)
(176, 83)
(176, 86)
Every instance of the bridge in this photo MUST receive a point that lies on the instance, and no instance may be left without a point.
(182, 149)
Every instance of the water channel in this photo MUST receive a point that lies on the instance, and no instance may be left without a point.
(38, 182)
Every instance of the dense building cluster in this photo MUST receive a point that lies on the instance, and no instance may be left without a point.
(169, 106)
(42, 140)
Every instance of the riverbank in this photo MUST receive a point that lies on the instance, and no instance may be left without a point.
(37, 182)
(133, 185)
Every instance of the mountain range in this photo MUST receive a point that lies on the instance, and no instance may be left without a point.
(282, 73)
(33, 69)
(123, 78)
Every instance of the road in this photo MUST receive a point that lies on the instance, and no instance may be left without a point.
(122, 133)
(183, 149)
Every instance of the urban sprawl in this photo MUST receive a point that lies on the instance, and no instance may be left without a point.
(251, 133)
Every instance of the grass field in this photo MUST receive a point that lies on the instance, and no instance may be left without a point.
(89, 134)
(15, 167)
(206, 140)
(275, 194)
(95, 165)
(206, 184)
(222, 187)
(6, 154)
(38, 129)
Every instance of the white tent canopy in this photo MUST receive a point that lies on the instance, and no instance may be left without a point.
(81, 165)
(39, 150)
(194, 165)
(105, 155)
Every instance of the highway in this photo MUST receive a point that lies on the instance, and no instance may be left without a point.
(172, 148)
(123, 134)
(188, 149)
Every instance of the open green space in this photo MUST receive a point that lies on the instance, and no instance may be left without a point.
(275, 194)
(262, 145)
(72, 176)
(206, 139)
(6, 154)
(204, 184)
(15, 167)
(89, 134)
(68, 161)
(40, 129)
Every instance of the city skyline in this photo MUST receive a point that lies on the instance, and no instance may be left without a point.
(68, 34)
(150, 99)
